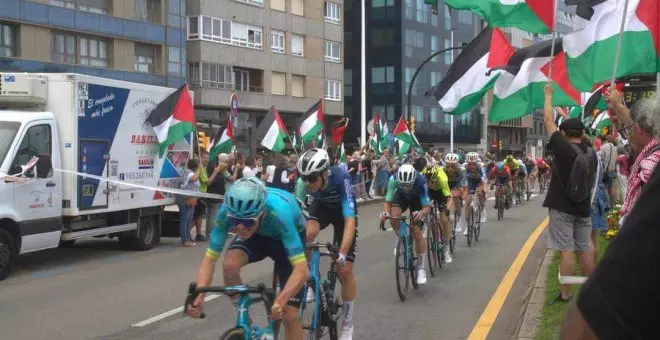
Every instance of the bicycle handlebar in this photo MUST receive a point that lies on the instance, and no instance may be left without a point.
(266, 294)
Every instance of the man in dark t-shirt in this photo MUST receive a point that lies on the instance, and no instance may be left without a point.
(620, 299)
(215, 185)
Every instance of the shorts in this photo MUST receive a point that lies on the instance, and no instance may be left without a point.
(414, 203)
(200, 209)
(501, 180)
(473, 184)
(568, 232)
(453, 185)
(326, 216)
(439, 198)
(609, 178)
(259, 247)
(521, 174)
(542, 171)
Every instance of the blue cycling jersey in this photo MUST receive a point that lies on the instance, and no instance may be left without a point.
(419, 189)
(475, 171)
(283, 221)
(337, 194)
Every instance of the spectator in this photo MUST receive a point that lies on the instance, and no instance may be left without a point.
(248, 168)
(293, 170)
(640, 124)
(278, 175)
(382, 173)
(354, 172)
(609, 154)
(569, 229)
(368, 175)
(229, 175)
(215, 185)
(190, 182)
(622, 169)
(600, 205)
(200, 208)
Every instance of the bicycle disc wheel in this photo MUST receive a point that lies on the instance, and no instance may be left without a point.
(402, 272)
(233, 334)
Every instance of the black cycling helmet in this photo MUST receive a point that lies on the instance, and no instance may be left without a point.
(420, 163)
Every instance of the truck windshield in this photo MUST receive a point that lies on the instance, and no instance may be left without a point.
(7, 134)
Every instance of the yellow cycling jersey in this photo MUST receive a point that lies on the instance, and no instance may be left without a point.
(437, 179)
(512, 164)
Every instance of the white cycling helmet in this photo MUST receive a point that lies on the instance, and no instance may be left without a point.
(406, 174)
(472, 157)
(313, 161)
(451, 158)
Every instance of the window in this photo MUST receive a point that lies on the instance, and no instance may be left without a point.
(385, 112)
(297, 86)
(332, 12)
(382, 3)
(348, 82)
(193, 28)
(277, 41)
(7, 41)
(36, 141)
(418, 113)
(465, 17)
(147, 10)
(242, 80)
(93, 52)
(332, 51)
(211, 75)
(413, 39)
(298, 7)
(434, 47)
(245, 35)
(435, 78)
(174, 60)
(144, 58)
(435, 114)
(297, 45)
(224, 31)
(278, 5)
(333, 90)
(278, 83)
(63, 48)
(448, 25)
(381, 78)
(422, 13)
(447, 55)
(447, 118)
(92, 6)
(259, 3)
(382, 37)
(408, 9)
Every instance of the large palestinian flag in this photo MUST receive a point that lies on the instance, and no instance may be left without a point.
(313, 122)
(591, 51)
(173, 118)
(519, 90)
(271, 133)
(468, 79)
(535, 16)
(222, 142)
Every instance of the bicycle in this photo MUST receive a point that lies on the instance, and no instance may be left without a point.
(528, 187)
(456, 215)
(325, 312)
(404, 251)
(474, 218)
(434, 242)
(244, 329)
(520, 185)
(501, 199)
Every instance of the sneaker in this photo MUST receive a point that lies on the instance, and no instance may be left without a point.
(447, 255)
(483, 216)
(310, 295)
(465, 232)
(421, 276)
(346, 332)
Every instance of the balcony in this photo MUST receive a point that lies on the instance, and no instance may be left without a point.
(248, 79)
(225, 77)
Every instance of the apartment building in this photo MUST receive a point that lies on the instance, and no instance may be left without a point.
(133, 40)
(286, 53)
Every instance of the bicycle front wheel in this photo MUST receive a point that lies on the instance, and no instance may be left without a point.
(233, 334)
(477, 226)
(402, 270)
(470, 226)
(452, 237)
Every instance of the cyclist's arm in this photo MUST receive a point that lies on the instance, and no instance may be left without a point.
(444, 183)
(216, 245)
(348, 210)
(424, 199)
(301, 191)
(389, 196)
(296, 254)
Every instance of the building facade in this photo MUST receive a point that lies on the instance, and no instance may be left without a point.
(133, 40)
(400, 36)
(286, 53)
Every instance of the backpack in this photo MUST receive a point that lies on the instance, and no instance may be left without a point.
(580, 179)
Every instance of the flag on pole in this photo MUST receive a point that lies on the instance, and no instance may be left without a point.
(271, 133)
(535, 16)
(342, 154)
(173, 118)
(313, 122)
(596, 100)
(468, 79)
(222, 142)
(402, 133)
(591, 51)
(601, 121)
(403, 147)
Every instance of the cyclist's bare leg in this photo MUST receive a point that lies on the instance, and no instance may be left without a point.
(293, 329)
(395, 223)
(348, 282)
(418, 236)
(235, 259)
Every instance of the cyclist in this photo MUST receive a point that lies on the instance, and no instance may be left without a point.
(475, 173)
(530, 165)
(543, 168)
(439, 192)
(333, 203)
(457, 185)
(268, 222)
(522, 174)
(514, 167)
(501, 175)
(407, 189)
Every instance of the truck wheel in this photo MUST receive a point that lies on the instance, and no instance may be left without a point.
(149, 233)
(7, 253)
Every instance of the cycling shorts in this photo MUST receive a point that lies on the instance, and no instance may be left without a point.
(326, 216)
(453, 185)
(501, 180)
(439, 198)
(258, 247)
(543, 170)
(473, 184)
(521, 174)
(414, 203)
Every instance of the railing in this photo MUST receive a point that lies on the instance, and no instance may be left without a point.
(259, 3)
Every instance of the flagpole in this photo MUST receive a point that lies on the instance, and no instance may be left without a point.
(617, 54)
(363, 73)
(451, 117)
(554, 41)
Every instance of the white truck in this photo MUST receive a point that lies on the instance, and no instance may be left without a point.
(73, 125)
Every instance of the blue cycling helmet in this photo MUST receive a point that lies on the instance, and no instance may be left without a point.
(499, 165)
(246, 198)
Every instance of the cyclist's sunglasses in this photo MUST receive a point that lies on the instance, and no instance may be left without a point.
(247, 222)
(311, 178)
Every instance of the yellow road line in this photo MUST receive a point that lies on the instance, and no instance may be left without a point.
(488, 317)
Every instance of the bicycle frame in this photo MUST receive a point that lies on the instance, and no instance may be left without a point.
(324, 296)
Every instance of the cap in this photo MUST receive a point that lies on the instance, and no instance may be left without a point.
(572, 124)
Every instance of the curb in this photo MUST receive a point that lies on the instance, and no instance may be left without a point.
(535, 300)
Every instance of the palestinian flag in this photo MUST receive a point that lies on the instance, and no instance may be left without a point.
(559, 76)
(403, 134)
(342, 154)
(590, 51)
(468, 79)
(601, 121)
(223, 142)
(596, 100)
(575, 112)
(404, 147)
(320, 140)
(313, 122)
(519, 90)
(271, 133)
(535, 16)
(173, 118)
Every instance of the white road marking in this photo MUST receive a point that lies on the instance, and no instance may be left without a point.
(171, 312)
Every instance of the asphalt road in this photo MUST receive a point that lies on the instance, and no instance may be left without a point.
(97, 291)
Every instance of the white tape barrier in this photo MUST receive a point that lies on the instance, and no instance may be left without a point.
(571, 280)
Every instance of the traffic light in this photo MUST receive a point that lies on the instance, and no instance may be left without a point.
(434, 5)
(201, 139)
(500, 145)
